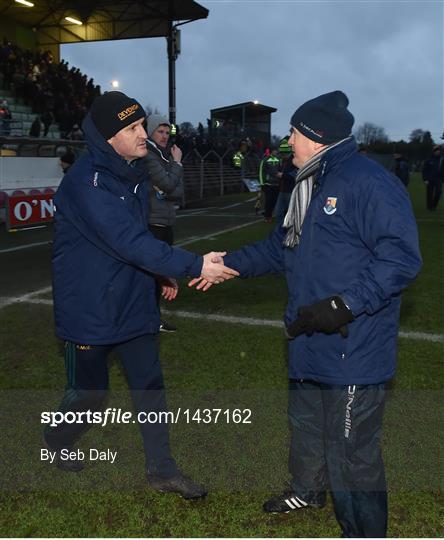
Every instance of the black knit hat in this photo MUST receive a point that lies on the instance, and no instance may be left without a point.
(324, 119)
(113, 111)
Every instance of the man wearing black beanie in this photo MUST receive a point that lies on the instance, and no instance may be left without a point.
(104, 265)
(348, 246)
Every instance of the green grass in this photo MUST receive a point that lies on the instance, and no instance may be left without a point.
(210, 364)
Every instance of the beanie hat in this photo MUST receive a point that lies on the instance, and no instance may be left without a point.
(324, 119)
(154, 121)
(284, 147)
(113, 111)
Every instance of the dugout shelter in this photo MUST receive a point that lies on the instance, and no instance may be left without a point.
(250, 119)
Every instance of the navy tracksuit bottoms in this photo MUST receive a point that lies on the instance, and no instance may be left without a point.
(87, 373)
(335, 444)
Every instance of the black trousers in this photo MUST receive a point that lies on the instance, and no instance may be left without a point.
(87, 374)
(271, 194)
(335, 444)
(165, 234)
(434, 190)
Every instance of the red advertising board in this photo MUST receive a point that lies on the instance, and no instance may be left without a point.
(28, 210)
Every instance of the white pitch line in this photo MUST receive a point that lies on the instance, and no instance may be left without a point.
(8, 300)
(421, 336)
(248, 321)
(212, 235)
(29, 297)
(232, 205)
(26, 246)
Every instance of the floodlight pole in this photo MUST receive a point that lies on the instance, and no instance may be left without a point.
(173, 48)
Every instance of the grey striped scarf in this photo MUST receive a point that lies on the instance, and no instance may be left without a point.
(301, 196)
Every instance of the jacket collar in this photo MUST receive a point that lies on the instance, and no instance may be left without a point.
(334, 157)
(156, 149)
(106, 159)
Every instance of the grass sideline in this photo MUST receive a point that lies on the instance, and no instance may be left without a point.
(214, 364)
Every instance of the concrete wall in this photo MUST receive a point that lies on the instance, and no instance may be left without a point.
(27, 173)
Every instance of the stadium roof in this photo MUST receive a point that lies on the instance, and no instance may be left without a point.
(250, 106)
(102, 19)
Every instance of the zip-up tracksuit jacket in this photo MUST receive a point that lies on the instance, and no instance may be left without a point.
(104, 256)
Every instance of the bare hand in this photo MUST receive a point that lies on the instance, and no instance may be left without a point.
(176, 153)
(213, 271)
(170, 288)
(201, 284)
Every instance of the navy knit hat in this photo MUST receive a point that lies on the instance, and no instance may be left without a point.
(113, 111)
(324, 119)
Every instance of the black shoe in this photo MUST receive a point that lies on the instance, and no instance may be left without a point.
(167, 327)
(179, 484)
(287, 502)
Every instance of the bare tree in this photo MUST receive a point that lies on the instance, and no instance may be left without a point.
(187, 128)
(370, 133)
(419, 135)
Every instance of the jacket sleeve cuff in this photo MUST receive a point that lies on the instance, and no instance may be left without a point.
(196, 267)
(352, 304)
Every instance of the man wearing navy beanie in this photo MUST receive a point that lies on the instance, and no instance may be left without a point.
(104, 265)
(348, 246)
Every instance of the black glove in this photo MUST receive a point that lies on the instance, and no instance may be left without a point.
(329, 316)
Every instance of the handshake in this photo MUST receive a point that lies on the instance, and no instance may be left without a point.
(213, 271)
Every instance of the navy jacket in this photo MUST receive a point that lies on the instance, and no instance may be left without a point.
(433, 170)
(359, 240)
(104, 256)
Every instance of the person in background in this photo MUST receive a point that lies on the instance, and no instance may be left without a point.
(401, 168)
(36, 127)
(286, 176)
(47, 119)
(269, 181)
(67, 160)
(76, 134)
(165, 177)
(433, 176)
(5, 118)
(239, 156)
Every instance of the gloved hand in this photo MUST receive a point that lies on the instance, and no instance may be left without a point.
(329, 316)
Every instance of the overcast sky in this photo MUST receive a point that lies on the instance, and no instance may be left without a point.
(387, 56)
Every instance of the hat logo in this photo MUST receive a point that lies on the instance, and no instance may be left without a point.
(318, 133)
(330, 205)
(123, 115)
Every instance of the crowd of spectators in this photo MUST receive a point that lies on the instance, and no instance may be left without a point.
(57, 93)
(62, 95)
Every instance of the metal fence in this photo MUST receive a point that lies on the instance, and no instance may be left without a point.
(205, 175)
(213, 174)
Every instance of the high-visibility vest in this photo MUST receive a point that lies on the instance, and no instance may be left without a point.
(238, 159)
(270, 160)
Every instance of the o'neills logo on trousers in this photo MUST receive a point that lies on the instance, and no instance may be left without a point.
(348, 419)
(128, 112)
